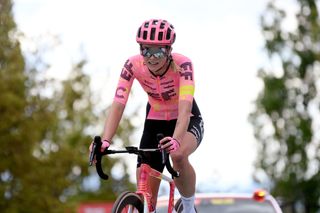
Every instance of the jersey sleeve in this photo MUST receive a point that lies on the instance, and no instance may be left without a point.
(187, 86)
(124, 83)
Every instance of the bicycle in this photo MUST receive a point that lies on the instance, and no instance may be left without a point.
(140, 200)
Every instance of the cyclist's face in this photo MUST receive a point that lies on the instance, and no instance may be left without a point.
(155, 57)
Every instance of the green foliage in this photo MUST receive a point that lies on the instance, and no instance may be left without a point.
(45, 130)
(288, 105)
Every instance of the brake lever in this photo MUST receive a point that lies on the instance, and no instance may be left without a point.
(92, 154)
(163, 152)
(95, 154)
(96, 146)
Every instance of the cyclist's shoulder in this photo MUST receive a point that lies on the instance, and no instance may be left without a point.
(180, 58)
(134, 63)
(135, 58)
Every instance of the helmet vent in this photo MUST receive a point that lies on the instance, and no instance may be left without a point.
(145, 35)
(152, 35)
(162, 25)
(139, 34)
(160, 36)
(168, 34)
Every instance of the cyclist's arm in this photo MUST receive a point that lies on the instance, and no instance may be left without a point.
(113, 120)
(183, 119)
(119, 101)
(186, 92)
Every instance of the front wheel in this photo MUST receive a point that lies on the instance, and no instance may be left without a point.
(128, 202)
(179, 207)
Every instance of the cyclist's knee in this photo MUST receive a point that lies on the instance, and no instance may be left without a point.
(178, 158)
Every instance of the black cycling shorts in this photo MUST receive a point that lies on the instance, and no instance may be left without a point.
(154, 127)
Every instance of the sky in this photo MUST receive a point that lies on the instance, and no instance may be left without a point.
(222, 38)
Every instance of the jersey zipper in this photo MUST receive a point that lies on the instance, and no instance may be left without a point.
(164, 103)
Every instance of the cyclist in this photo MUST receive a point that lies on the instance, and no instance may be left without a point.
(168, 80)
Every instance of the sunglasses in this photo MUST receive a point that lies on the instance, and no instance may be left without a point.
(157, 52)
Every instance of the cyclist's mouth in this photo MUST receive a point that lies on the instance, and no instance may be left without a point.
(153, 63)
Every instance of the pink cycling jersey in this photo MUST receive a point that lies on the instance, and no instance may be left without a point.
(164, 92)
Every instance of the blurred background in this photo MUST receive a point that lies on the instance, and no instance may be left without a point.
(257, 85)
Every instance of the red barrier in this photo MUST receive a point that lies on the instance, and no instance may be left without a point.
(95, 208)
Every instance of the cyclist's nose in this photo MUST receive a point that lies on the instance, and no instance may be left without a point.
(153, 57)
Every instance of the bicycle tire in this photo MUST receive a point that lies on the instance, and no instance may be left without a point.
(179, 207)
(128, 200)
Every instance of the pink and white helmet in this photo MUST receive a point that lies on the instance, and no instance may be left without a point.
(156, 31)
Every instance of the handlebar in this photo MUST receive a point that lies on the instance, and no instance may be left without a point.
(97, 154)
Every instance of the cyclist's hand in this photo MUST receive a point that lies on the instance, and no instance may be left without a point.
(169, 144)
(105, 145)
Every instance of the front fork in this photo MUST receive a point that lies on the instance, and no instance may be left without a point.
(171, 197)
(144, 190)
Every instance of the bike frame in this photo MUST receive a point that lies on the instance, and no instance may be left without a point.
(143, 187)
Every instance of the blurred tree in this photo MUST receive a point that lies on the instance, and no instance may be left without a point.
(15, 135)
(72, 134)
(45, 130)
(286, 120)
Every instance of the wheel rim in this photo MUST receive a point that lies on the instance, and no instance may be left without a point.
(128, 202)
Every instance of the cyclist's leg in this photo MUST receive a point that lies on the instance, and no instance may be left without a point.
(187, 180)
(180, 159)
